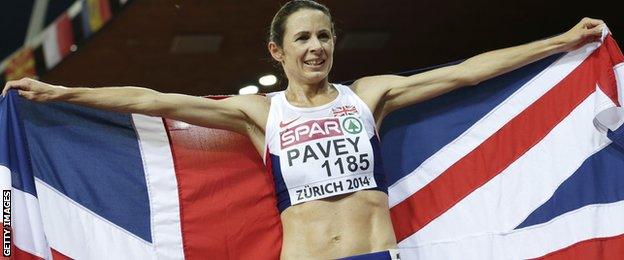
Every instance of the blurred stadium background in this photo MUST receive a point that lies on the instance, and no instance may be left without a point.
(203, 47)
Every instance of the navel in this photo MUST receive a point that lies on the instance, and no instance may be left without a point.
(336, 239)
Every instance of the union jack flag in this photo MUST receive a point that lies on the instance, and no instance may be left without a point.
(344, 111)
(525, 165)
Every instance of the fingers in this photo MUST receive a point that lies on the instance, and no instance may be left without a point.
(590, 23)
(587, 30)
(593, 32)
(25, 94)
(6, 88)
(23, 84)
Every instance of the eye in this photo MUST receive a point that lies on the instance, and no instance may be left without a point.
(324, 36)
(302, 38)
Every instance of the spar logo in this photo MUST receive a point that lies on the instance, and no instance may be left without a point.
(311, 130)
(352, 125)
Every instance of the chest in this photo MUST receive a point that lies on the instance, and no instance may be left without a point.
(323, 155)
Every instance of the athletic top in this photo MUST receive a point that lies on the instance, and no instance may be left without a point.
(323, 151)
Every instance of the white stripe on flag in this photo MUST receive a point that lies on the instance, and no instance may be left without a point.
(592, 221)
(487, 126)
(505, 201)
(613, 118)
(51, 52)
(76, 232)
(162, 186)
(619, 78)
(5, 178)
(28, 233)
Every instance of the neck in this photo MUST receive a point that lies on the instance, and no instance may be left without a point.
(305, 93)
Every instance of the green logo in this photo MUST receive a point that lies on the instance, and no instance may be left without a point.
(352, 125)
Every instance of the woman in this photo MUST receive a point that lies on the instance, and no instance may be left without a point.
(318, 138)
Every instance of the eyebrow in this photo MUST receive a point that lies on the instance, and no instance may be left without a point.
(307, 32)
(301, 33)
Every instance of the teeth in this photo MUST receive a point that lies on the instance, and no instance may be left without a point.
(314, 62)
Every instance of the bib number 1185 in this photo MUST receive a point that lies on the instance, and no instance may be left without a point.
(351, 163)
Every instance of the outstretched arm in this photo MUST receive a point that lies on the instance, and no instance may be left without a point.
(387, 93)
(224, 114)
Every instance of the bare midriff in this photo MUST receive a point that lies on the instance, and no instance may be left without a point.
(339, 226)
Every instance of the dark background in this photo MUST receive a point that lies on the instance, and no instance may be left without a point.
(136, 47)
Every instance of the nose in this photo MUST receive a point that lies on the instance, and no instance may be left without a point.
(316, 46)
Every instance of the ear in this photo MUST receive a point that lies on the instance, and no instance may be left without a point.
(276, 52)
(335, 39)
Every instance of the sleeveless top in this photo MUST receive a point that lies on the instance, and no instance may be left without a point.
(323, 151)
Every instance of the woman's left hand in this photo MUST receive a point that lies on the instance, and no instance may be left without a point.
(586, 31)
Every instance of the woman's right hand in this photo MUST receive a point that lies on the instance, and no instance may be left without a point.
(34, 90)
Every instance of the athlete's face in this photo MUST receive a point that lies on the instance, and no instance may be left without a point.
(308, 48)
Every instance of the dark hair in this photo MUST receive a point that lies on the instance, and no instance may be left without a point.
(278, 25)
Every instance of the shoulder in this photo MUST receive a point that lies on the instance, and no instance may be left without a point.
(373, 91)
(250, 103)
(255, 107)
(375, 83)
(245, 102)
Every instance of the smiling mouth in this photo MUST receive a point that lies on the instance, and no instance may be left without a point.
(314, 63)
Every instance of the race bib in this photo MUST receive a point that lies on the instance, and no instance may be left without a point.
(325, 157)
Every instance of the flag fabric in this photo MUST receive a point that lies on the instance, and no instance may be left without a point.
(95, 13)
(21, 64)
(17, 183)
(107, 187)
(57, 41)
(515, 167)
(78, 27)
(526, 165)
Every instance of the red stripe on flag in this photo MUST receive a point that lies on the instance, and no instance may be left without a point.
(19, 254)
(614, 51)
(609, 56)
(56, 255)
(597, 248)
(227, 203)
(497, 152)
(64, 35)
(105, 10)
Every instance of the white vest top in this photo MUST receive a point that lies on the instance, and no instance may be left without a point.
(323, 151)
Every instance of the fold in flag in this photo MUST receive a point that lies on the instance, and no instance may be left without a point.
(525, 165)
